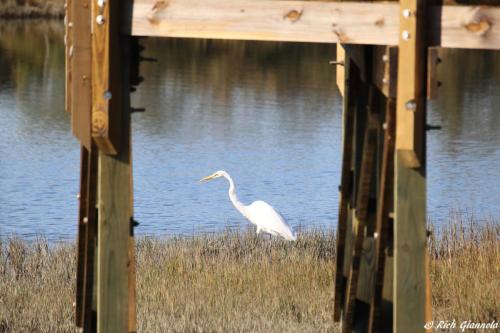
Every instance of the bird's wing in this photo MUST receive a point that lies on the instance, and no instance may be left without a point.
(269, 220)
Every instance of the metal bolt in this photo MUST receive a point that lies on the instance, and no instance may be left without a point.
(99, 19)
(70, 24)
(101, 3)
(85, 219)
(405, 34)
(406, 13)
(385, 58)
(385, 80)
(384, 126)
(78, 196)
(411, 105)
(107, 95)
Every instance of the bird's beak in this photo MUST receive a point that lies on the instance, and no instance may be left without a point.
(207, 178)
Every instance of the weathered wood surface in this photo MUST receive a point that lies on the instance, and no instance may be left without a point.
(87, 233)
(409, 195)
(361, 215)
(411, 96)
(82, 217)
(349, 81)
(115, 212)
(340, 70)
(309, 21)
(409, 248)
(81, 67)
(433, 83)
(68, 42)
(384, 206)
(106, 67)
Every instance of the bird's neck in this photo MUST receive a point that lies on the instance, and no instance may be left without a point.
(234, 198)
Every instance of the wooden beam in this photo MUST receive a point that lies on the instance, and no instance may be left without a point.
(382, 74)
(350, 82)
(409, 195)
(297, 21)
(411, 96)
(68, 42)
(81, 237)
(361, 215)
(384, 206)
(106, 67)
(309, 21)
(433, 83)
(116, 291)
(409, 248)
(81, 67)
(340, 70)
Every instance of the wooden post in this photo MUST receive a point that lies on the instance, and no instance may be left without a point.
(409, 201)
(68, 43)
(385, 195)
(115, 288)
(361, 214)
(346, 78)
(112, 134)
(80, 56)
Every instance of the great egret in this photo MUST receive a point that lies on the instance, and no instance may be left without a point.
(260, 213)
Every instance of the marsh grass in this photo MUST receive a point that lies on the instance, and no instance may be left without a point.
(31, 8)
(237, 282)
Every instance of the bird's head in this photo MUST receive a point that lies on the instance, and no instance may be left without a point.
(217, 174)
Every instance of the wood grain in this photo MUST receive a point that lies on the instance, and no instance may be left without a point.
(363, 191)
(68, 42)
(409, 248)
(384, 206)
(267, 20)
(350, 84)
(309, 21)
(81, 68)
(115, 289)
(106, 67)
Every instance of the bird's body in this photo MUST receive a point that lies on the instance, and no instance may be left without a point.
(260, 213)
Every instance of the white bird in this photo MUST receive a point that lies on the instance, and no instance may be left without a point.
(260, 213)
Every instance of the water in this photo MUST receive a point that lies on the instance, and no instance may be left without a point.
(267, 113)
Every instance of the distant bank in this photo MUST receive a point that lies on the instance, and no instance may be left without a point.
(16, 9)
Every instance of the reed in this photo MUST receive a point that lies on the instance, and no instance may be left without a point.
(31, 8)
(235, 281)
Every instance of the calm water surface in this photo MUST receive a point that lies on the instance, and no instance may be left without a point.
(267, 113)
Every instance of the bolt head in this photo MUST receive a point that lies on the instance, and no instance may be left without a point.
(406, 13)
(101, 3)
(385, 58)
(107, 95)
(411, 105)
(85, 219)
(405, 34)
(99, 19)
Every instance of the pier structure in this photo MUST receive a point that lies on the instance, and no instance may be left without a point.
(387, 55)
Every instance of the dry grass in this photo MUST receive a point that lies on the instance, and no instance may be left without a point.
(238, 282)
(31, 8)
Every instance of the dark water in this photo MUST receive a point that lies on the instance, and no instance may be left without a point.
(267, 113)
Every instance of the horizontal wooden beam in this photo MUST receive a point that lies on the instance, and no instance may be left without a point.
(308, 21)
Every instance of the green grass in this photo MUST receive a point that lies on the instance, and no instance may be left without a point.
(238, 282)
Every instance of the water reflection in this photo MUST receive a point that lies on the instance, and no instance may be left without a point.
(268, 113)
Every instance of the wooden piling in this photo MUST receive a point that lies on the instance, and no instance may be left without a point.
(410, 188)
